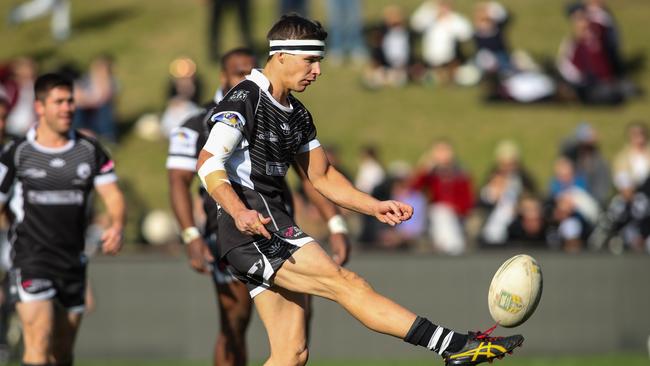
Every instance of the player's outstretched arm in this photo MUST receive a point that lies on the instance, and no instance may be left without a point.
(113, 199)
(334, 186)
(198, 253)
(338, 240)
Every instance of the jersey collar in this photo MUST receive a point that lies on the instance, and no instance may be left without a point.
(31, 138)
(260, 79)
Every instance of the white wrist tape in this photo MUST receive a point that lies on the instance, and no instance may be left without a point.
(337, 225)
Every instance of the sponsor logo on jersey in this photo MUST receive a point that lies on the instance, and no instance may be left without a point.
(35, 173)
(36, 285)
(267, 136)
(285, 128)
(276, 169)
(182, 141)
(256, 267)
(232, 119)
(238, 96)
(83, 170)
(64, 197)
(57, 163)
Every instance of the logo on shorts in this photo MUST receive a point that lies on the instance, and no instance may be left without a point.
(255, 267)
(292, 232)
(36, 285)
(238, 96)
(276, 246)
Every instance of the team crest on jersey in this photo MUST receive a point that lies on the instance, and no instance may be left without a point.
(285, 128)
(238, 96)
(83, 170)
(232, 119)
(57, 163)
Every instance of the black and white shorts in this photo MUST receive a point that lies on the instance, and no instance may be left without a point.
(70, 293)
(256, 263)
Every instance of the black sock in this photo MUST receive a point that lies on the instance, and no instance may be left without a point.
(434, 337)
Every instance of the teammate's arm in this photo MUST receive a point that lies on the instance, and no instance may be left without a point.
(212, 171)
(113, 199)
(338, 239)
(334, 186)
(180, 182)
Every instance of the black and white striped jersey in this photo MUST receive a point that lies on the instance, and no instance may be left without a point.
(272, 135)
(47, 190)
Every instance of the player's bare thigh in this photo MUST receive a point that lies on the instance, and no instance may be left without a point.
(310, 270)
(37, 319)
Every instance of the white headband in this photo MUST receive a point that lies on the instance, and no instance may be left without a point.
(312, 47)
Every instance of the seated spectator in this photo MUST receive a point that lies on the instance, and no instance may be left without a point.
(4, 112)
(585, 62)
(95, 94)
(582, 149)
(492, 52)
(390, 49)
(569, 229)
(565, 178)
(448, 189)
(370, 173)
(444, 30)
(529, 227)
(18, 82)
(632, 163)
(499, 196)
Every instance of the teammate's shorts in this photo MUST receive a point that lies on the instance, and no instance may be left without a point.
(256, 263)
(70, 293)
(221, 275)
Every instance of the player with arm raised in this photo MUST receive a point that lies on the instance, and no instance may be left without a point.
(232, 296)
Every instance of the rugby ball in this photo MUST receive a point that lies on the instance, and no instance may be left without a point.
(515, 291)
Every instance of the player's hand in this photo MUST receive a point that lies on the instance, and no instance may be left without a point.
(199, 255)
(392, 212)
(112, 240)
(251, 222)
(340, 247)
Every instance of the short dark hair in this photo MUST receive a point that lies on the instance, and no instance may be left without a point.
(294, 26)
(241, 51)
(47, 82)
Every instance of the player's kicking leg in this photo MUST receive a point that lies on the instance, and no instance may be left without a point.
(311, 271)
(235, 306)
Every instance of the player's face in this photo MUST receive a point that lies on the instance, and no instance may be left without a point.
(302, 70)
(235, 70)
(57, 110)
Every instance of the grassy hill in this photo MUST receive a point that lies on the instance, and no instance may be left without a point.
(144, 36)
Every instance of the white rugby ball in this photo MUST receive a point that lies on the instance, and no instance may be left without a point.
(515, 291)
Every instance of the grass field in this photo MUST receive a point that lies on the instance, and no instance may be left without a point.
(609, 360)
(144, 36)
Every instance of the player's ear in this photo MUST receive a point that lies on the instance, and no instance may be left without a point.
(39, 107)
(280, 57)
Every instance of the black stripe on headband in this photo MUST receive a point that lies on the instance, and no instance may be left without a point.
(298, 48)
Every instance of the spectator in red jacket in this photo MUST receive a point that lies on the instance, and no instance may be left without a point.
(449, 191)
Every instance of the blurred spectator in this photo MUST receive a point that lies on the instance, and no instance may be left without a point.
(529, 225)
(444, 30)
(632, 163)
(95, 95)
(294, 6)
(565, 178)
(597, 12)
(370, 173)
(217, 8)
(492, 52)
(582, 149)
(4, 112)
(448, 189)
(19, 86)
(569, 229)
(184, 96)
(345, 23)
(390, 48)
(586, 63)
(499, 196)
(60, 9)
